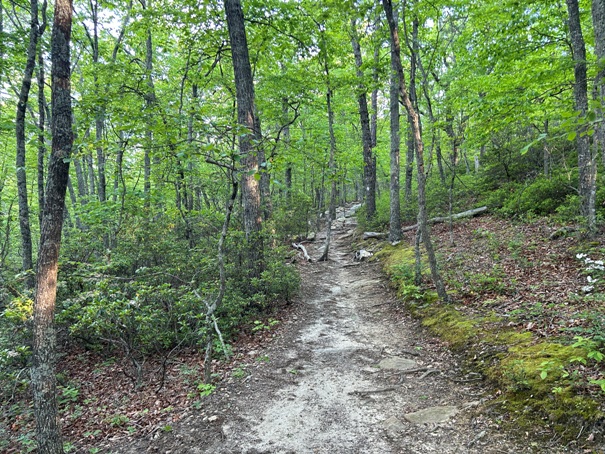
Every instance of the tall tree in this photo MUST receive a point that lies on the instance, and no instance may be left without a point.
(423, 226)
(24, 221)
(598, 24)
(586, 163)
(395, 233)
(45, 342)
(246, 117)
(41, 122)
(369, 170)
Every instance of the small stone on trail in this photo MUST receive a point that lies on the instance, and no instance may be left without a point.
(432, 415)
(393, 425)
(213, 418)
(397, 363)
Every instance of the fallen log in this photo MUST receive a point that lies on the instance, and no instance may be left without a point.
(303, 249)
(440, 219)
(437, 220)
(379, 235)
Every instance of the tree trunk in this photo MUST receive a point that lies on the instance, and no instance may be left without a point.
(150, 100)
(81, 180)
(332, 169)
(24, 221)
(332, 159)
(44, 344)
(244, 91)
(411, 143)
(369, 173)
(395, 201)
(288, 173)
(413, 114)
(41, 125)
(598, 22)
(586, 163)
(100, 109)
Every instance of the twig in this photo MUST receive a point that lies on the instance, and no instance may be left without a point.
(477, 438)
(414, 370)
(429, 372)
(374, 391)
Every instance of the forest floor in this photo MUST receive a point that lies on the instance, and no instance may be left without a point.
(344, 368)
(343, 373)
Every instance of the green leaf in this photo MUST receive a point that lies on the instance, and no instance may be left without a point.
(572, 136)
(257, 176)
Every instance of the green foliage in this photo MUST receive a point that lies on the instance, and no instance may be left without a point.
(381, 219)
(293, 216)
(205, 389)
(543, 196)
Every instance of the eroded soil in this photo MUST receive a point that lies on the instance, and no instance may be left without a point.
(344, 376)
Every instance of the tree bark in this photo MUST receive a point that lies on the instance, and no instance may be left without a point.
(586, 164)
(598, 22)
(395, 200)
(24, 221)
(332, 159)
(244, 92)
(413, 114)
(288, 173)
(332, 169)
(369, 172)
(411, 143)
(100, 109)
(44, 343)
(41, 122)
(150, 101)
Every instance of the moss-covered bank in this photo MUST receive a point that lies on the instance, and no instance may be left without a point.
(536, 380)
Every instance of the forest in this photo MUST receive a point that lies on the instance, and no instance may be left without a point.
(158, 158)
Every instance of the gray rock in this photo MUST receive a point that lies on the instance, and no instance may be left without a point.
(397, 363)
(432, 415)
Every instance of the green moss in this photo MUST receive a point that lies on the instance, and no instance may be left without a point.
(537, 386)
(395, 256)
(447, 323)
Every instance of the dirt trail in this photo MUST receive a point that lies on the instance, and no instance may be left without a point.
(338, 380)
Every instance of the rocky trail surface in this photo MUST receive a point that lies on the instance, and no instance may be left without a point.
(345, 376)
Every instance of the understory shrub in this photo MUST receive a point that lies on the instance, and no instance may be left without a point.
(541, 197)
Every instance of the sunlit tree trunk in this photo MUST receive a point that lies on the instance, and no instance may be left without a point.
(244, 89)
(44, 344)
(411, 143)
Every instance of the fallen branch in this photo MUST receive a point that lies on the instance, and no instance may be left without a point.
(378, 235)
(429, 372)
(437, 220)
(413, 371)
(300, 247)
(374, 391)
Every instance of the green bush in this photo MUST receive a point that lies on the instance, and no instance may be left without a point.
(542, 196)
(291, 217)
